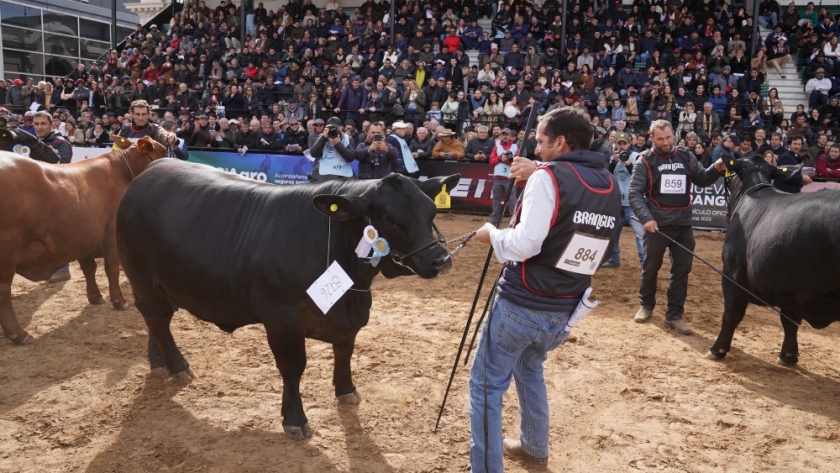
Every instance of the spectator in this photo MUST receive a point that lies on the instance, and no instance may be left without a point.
(481, 147)
(828, 164)
(447, 147)
(268, 139)
(404, 161)
(818, 89)
(501, 158)
(376, 156)
(791, 156)
(333, 151)
(422, 145)
(296, 139)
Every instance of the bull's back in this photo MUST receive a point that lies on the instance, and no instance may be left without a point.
(206, 238)
(790, 243)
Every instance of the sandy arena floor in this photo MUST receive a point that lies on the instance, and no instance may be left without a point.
(624, 396)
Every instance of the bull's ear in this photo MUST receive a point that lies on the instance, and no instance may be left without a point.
(145, 145)
(120, 142)
(432, 187)
(785, 172)
(341, 207)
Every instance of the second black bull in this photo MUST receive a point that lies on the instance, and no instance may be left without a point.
(235, 252)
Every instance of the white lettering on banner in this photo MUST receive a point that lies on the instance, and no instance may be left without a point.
(596, 220)
(670, 167)
(479, 189)
(583, 254)
(329, 287)
(672, 184)
(255, 175)
(462, 189)
(714, 200)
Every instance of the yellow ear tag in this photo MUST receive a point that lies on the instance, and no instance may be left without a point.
(334, 207)
(728, 174)
(731, 163)
(784, 169)
(442, 200)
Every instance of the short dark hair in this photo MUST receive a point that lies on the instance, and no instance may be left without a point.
(570, 123)
(793, 138)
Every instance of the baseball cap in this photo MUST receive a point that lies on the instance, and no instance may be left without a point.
(17, 82)
(735, 138)
(622, 137)
(398, 125)
(334, 121)
(233, 122)
(318, 121)
(505, 131)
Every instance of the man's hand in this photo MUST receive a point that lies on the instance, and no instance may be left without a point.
(651, 226)
(720, 166)
(172, 139)
(483, 233)
(522, 168)
(806, 179)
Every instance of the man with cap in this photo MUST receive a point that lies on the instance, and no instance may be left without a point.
(13, 121)
(448, 147)
(296, 138)
(404, 162)
(140, 126)
(14, 96)
(316, 131)
(778, 56)
(621, 167)
(500, 160)
(818, 89)
(728, 145)
(333, 153)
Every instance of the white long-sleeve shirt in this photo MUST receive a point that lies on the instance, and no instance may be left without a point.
(823, 85)
(526, 239)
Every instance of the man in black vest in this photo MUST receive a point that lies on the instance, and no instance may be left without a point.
(42, 121)
(660, 195)
(562, 232)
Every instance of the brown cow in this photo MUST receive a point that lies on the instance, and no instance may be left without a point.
(51, 214)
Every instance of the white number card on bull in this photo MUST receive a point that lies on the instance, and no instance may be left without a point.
(234, 252)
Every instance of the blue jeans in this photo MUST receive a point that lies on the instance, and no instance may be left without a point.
(519, 342)
(627, 215)
(768, 21)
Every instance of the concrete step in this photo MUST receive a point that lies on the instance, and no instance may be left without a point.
(473, 55)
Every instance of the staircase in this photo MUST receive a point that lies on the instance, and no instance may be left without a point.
(487, 25)
(791, 90)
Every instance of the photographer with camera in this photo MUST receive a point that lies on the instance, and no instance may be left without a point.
(501, 158)
(376, 156)
(333, 153)
(621, 167)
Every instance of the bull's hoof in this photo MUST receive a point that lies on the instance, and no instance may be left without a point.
(24, 340)
(710, 355)
(787, 360)
(160, 372)
(121, 305)
(298, 433)
(96, 300)
(185, 375)
(353, 398)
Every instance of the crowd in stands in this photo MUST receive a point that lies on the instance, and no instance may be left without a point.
(688, 61)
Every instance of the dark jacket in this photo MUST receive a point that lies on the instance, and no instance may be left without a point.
(375, 165)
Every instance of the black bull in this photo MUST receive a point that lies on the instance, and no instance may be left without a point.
(235, 252)
(785, 248)
(38, 150)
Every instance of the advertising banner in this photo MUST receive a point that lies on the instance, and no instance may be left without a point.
(80, 154)
(708, 206)
(470, 195)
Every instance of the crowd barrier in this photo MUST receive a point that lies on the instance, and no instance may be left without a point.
(470, 195)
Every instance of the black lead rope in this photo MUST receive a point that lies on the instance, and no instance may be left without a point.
(767, 304)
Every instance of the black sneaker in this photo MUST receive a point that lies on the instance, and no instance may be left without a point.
(610, 265)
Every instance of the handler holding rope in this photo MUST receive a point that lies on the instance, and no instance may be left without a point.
(562, 232)
(660, 195)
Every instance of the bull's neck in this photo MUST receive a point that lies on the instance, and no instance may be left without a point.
(128, 163)
(750, 183)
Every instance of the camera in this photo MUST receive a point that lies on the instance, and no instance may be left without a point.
(508, 155)
(624, 155)
(377, 137)
(375, 161)
(332, 132)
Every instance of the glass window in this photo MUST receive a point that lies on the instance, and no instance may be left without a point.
(60, 23)
(19, 38)
(20, 62)
(123, 33)
(12, 14)
(93, 49)
(94, 30)
(59, 66)
(61, 45)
